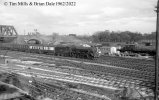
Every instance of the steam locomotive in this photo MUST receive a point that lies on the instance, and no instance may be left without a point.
(57, 50)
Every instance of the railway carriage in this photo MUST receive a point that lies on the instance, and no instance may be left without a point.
(42, 49)
(48, 49)
(19, 47)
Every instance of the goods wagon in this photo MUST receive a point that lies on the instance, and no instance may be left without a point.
(139, 49)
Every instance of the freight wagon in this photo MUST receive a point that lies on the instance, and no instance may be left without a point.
(140, 49)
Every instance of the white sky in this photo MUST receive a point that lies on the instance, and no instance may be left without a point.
(87, 17)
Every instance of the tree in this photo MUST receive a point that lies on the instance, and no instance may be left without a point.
(125, 36)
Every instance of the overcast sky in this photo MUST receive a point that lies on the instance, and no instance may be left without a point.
(87, 17)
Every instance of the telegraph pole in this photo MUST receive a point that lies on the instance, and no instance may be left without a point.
(157, 54)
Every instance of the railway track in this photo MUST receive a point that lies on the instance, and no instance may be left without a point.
(46, 87)
(120, 70)
(60, 76)
(133, 60)
(136, 64)
(141, 78)
(50, 89)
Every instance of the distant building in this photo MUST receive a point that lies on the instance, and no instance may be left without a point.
(109, 50)
(72, 35)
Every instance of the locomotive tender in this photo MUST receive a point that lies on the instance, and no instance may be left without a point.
(57, 50)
